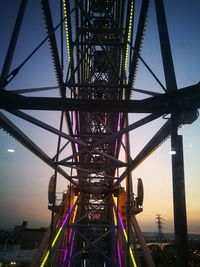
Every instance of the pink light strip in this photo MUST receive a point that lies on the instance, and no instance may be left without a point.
(71, 249)
(71, 236)
(67, 216)
(119, 254)
(65, 255)
(120, 218)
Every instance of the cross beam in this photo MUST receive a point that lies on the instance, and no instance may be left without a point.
(184, 99)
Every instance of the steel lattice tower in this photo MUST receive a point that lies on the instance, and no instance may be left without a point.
(159, 223)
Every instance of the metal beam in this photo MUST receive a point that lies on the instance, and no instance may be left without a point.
(93, 244)
(180, 217)
(129, 188)
(129, 128)
(56, 60)
(151, 146)
(186, 98)
(12, 44)
(59, 133)
(47, 127)
(53, 44)
(180, 220)
(138, 41)
(99, 40)
(147, 255)
(32, 90)
(168, 65)
(15, 132)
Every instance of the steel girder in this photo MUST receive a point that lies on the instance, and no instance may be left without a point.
(12, 45)
(92, 52)
(181, 101)
(15, 132)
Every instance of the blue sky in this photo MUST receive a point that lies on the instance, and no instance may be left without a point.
(24, 178)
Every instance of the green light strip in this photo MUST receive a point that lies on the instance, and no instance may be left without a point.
(59, 231)
(66, 30)
(129, 35)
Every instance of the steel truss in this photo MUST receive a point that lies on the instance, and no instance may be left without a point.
(95, 98)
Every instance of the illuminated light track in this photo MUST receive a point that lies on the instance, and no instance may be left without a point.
(129, 34)
(67, 29)
(116, 212)
(71, 236)
(63, 225)
(118, 245)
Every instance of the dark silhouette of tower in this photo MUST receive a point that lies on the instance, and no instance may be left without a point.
(159, 223)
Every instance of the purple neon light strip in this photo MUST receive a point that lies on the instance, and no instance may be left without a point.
(123, 228)
(67, 216)
(65, 255)
(71, 249)
(69, 239)
(120, 219)
(119, 254)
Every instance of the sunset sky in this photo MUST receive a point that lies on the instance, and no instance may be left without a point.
(24, 178)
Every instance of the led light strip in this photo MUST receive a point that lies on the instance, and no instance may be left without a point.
(118, 246)
(124, 232)
(65, 255)
(45, 258)
(71, 249)
(58, 233)
(66, 29)
(129, 35)
(55, 239)
(73, 235)
(70, 235)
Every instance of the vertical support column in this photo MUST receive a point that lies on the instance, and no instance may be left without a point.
(180, 221)
(180, 218)
(129, 190)
(168, 65)
(55, 183)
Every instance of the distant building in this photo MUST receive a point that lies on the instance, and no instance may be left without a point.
(5, 235)
(18, 247)
(28, 238)
(23, 226)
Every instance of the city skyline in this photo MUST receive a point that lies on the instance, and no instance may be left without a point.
(25, 177)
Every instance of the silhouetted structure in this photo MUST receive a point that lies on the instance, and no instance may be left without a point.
(95, 224)
(159, 223)
(28, 238)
